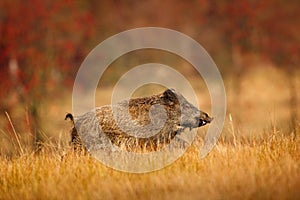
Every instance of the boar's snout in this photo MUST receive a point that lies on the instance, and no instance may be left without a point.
(203, 119)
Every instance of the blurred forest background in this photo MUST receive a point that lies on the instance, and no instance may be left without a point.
(255, 44)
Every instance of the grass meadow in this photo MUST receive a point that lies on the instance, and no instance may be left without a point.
(256, 157)
(254, 168)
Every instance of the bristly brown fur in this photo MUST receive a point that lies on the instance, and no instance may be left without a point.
(139, 109)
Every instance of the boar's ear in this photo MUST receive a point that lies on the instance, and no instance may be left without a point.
(170, 96)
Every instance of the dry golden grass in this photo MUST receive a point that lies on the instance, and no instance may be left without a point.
(256, 168)
(255, 158)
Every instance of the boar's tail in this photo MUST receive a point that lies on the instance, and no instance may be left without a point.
(70, 116)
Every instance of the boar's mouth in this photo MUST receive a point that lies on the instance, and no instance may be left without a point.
(204, 121)
(200, 122)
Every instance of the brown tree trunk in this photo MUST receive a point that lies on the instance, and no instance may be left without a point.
(237, 80)
(32, 105)
(35, 128)
(293, 100)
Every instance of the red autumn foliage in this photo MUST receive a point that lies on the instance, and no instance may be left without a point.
(42, 43)
(41, 40)
(268, 28)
